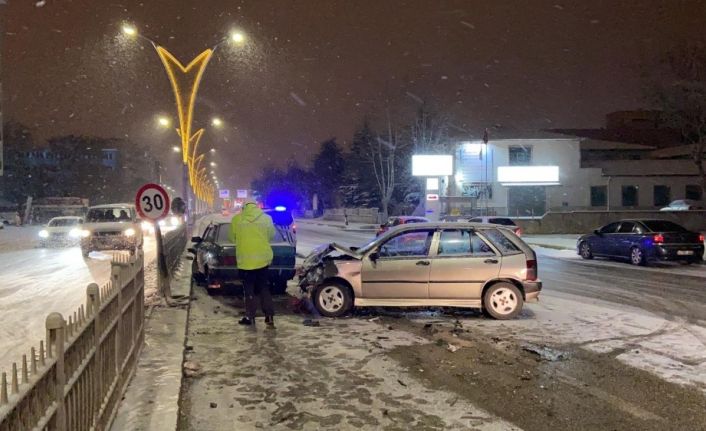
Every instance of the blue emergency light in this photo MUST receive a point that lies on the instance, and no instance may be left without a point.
(280, 208)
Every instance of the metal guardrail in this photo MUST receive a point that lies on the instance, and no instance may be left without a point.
(174, 245)
(76, 378)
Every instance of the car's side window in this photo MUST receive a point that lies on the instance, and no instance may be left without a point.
(409, 244)
(626, 227)
(210, 234)
(610, 228)
(476, 220)
(463, 242)
(638, 229)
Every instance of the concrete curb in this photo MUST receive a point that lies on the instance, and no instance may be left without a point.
(152, 399)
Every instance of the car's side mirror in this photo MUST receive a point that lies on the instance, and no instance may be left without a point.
(382, 226)
(191, 250)
(597, 232)
(374, 256)
(196, 239)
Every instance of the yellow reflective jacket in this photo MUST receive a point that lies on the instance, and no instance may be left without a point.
(251, 231)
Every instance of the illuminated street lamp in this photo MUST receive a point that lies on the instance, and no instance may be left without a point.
(176, 149)
(217, 122)
(237, 37)
(213, 150)
(163, 121)
(129, 30)
(213, 164)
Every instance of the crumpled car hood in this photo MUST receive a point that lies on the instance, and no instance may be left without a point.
(319, 253)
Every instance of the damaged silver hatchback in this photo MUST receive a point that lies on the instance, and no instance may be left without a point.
(426, 265)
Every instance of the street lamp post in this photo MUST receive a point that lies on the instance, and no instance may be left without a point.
(185, 82)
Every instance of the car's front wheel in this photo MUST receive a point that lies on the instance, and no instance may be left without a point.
(585, 250)
(637, 256)
(502, 301)
(333, 299)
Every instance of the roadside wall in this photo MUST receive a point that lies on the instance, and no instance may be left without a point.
(355, 215)
(586, 221)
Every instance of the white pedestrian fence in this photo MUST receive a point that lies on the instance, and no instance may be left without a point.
(76, 377)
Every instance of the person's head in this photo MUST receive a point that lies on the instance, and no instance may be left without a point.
(247, 202)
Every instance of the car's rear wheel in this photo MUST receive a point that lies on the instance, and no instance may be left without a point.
(637, 256)
(585, 250)
(502, 301)
(333, 299)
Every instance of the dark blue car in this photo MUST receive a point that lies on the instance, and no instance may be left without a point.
(643, 241)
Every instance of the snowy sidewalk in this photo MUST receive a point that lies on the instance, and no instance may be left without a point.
(152, 398)
(337, 376)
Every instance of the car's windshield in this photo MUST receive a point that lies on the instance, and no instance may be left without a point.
(97, 215)
(63, 222)
(663, 226)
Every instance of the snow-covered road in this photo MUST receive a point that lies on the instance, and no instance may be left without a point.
(37, 281)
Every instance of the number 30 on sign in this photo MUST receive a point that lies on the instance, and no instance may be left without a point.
(152, 202)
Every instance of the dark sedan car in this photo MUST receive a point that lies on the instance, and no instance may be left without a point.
(643, 241)
(215, 264)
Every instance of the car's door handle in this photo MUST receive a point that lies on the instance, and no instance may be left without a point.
(423, 263)
(490, 261)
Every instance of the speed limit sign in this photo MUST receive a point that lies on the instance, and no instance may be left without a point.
(152, 202)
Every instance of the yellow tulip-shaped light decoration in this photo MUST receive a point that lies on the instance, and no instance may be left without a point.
(185, 84)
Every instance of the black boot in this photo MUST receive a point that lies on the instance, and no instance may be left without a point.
(245, 321)
(270, 321)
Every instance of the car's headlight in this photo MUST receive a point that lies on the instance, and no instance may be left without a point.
(84, 233)
(75, 233)
(43, 234)
(129, 232)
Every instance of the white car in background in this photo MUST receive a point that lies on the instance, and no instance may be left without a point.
(61, 231)
(683, 205)
(111, 227)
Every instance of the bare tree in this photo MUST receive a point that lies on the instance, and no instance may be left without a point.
(429, 131)
(382, 153)
(683, 99)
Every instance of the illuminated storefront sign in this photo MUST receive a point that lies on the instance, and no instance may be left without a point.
(528, 175)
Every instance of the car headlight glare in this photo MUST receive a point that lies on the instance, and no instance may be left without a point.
(75, 233)
(85, 233)
(43, 234)
(129, 232)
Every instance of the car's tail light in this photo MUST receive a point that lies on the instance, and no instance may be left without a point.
(294, 228)
(658, 239)
(228, 260)
(701, 238)
(531, 270)
(518, 231)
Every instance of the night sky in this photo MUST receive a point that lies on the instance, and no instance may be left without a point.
(313, 69)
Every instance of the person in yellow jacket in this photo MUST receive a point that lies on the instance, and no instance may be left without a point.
(251, 231)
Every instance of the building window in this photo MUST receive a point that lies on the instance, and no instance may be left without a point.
(520, 156)
(661, 195)
(630, 196)
(599, 196)
(693, 192)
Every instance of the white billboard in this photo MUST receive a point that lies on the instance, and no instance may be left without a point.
(521, 175)
(432, 165)
(224, 193)
(242, 194)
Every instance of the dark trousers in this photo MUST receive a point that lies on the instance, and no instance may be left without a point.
(256, 283)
